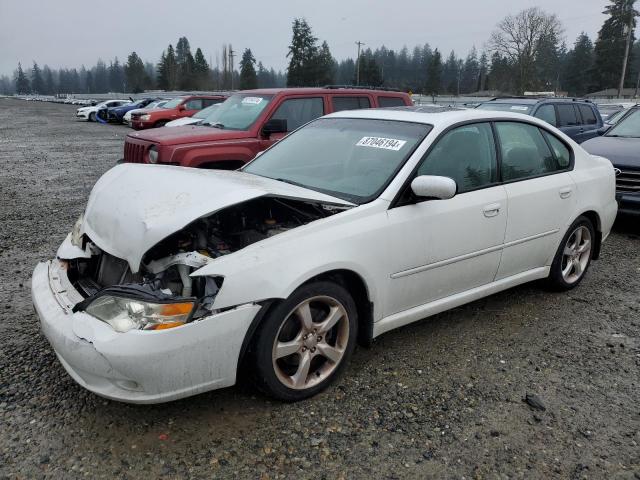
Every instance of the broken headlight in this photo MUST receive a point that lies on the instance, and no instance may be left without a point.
(76, 233)
(124, 314)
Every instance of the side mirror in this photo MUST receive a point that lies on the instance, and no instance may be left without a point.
(431, 186)
(275, 125)
(181, 108)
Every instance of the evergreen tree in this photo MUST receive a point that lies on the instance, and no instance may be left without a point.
(186, 64)
(168, 70)
(470, 73)
(547, 63)
(450, 74)
(324, 66)
(303, 51)
(579, 67)
(484, 70)
(135, 74)
(89, 84)
(100, 78)
(611, 43)
(116, 76)
(22, 82)
(248, 76)
(37, 82)
(200, 71)
(434, 74)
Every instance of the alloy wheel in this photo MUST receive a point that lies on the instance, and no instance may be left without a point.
(576, 254)
(310, 342)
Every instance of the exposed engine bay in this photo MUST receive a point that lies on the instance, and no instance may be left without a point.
(166, 267)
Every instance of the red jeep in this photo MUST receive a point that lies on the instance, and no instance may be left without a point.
(247, 123)
(179, 107)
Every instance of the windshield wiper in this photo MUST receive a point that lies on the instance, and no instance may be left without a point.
(291, 182)
(214, 125)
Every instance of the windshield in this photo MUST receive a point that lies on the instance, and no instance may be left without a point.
(173, 103)
(506, 107)
(205, 112)
(352, 159)
(238, 112)
(629, 127)
(616, 117)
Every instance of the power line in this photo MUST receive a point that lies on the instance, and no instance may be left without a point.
(360, 44)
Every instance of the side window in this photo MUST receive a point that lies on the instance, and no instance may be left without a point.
(567, 116)
(588, 117)
(547, 113)
(194, 104)
(298, 111)
(524, 151)
(467, 154)
(560, 150)
(390, 102)
(349, 103)
(207, 102)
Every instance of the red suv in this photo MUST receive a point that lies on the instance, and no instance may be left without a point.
(247, 123)
(179, 107)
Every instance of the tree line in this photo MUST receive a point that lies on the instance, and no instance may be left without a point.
(526, 52)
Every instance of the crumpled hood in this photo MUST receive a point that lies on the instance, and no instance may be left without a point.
(622, 152)
(132, 207)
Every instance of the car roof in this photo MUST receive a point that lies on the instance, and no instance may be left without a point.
(317, 90)
(535, 100)
(432, 115)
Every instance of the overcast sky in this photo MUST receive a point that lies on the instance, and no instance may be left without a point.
(70, 33)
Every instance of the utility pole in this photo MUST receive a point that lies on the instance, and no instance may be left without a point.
(360, 44)
(626, 50)
(231, 55)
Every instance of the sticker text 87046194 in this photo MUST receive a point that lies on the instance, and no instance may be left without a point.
(380, 142)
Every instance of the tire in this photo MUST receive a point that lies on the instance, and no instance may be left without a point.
(92, 117)
(574, 256)
(295, 356)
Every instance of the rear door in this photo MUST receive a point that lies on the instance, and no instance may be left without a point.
(589, 125)
(540, 193)
(569, 120)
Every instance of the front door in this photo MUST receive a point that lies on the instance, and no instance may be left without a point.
(442, 247)
(296, 112)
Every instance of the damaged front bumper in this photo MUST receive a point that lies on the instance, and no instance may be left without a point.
(138, 366)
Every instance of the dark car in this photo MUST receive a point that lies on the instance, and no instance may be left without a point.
(621, 145)
(116, 114)
(579, 119)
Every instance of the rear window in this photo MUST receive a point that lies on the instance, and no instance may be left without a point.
(567, 116)
(588, 117)
(350, 103)
(391, 102)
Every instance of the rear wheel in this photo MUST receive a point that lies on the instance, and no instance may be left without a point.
(306, 341)
(574, 255)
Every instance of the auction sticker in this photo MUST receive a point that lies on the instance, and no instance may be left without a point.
(251, 100)
(380, 142)
(519, 108)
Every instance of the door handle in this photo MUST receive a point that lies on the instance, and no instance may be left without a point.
(565, 192)
(491, 210)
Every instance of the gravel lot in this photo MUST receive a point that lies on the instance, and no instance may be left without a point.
(442, 398)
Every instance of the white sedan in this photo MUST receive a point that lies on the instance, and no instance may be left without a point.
(89, 113)
(356, 224)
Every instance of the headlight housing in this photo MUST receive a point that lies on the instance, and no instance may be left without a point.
(145, 118)
(124, 314)
(76, 233)
(153, 154)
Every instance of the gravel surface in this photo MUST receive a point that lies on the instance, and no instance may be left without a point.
(524, 384)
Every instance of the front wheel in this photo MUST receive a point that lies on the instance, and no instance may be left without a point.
(92, 117)
(305, 341)
(574, 255)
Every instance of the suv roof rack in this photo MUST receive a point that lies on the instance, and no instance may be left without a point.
(362, 87)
